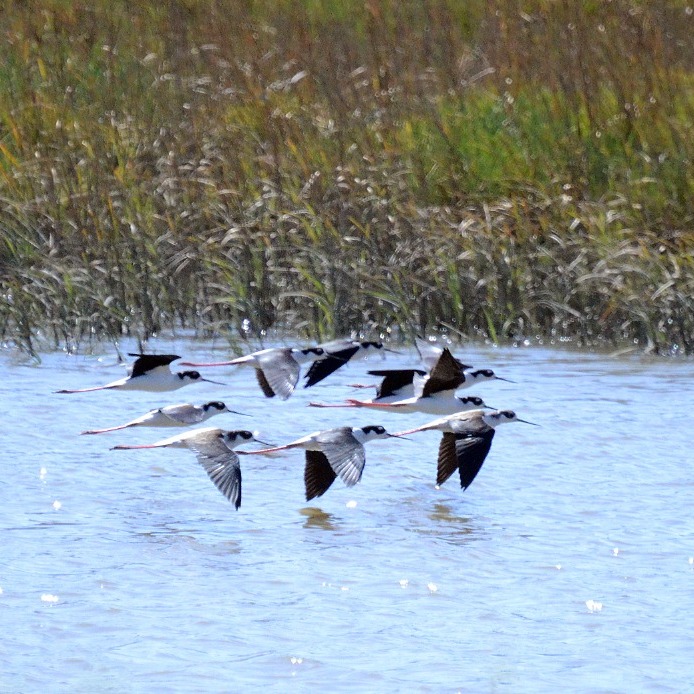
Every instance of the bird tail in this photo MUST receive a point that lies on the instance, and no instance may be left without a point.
(372, 405)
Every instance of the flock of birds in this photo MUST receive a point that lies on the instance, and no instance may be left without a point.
(467, 424)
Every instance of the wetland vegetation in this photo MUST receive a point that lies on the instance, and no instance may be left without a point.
(496, 169)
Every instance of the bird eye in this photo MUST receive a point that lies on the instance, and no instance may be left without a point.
(247, 435)
(380, 430)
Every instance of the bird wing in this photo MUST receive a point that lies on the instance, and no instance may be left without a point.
(428, 352)
(337, 344)
(318, 475)
(280, 372)
(182, 414)
(394, 380)
(324, 367)
(264, 385)
(220, 463)
(344, 453)
(446, 375)
(147, 362)
(466, 452)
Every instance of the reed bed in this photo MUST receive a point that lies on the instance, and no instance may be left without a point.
(494, 169)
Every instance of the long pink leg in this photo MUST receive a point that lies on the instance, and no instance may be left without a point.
(103, 431)
(374, 405)
(268, 450)
(411, 431)
(83, 390)
(323, 404)
(124, 446)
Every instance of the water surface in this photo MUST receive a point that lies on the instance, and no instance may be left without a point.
(568, 562)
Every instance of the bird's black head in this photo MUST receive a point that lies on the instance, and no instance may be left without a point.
(375, 345)
(472, 400)
(318, 351)
(239, 435)
(374, 429)
(215, 405)
(192, 375)
(486, 373)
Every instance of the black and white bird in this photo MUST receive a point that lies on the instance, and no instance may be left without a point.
(337, 354)
(443, 404)
(398, 384)
(277, 368)
(214, 449)
(433, 392)
(151, 373)
(173, 416)
(332, 453)
(467, 439)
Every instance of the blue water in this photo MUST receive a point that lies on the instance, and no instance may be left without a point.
(569, 562)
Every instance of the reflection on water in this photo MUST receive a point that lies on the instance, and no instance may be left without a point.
(155, 583)
(317, 518)
(448, 526)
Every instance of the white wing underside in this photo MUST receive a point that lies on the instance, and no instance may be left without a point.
(281, 371)
(220, 463)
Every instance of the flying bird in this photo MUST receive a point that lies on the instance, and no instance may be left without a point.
(173, 416)
(338, 353)
(331, 453)
(443, 404)
(150, 372)
(432, 392)
(467, 439)
(277, 368)
(214, 449)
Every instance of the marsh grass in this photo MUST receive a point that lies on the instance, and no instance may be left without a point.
(339, 166)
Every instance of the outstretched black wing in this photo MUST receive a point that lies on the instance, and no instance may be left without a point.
(324, 367)
(147, 362)
(394, 380)
(446, 375)
(318, 475)
(466, 452)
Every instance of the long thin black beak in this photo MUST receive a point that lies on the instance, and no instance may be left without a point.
(243, 414)
(392, 351)
(217, 383)
(525, 421)
(397, 436)
(508, 380)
